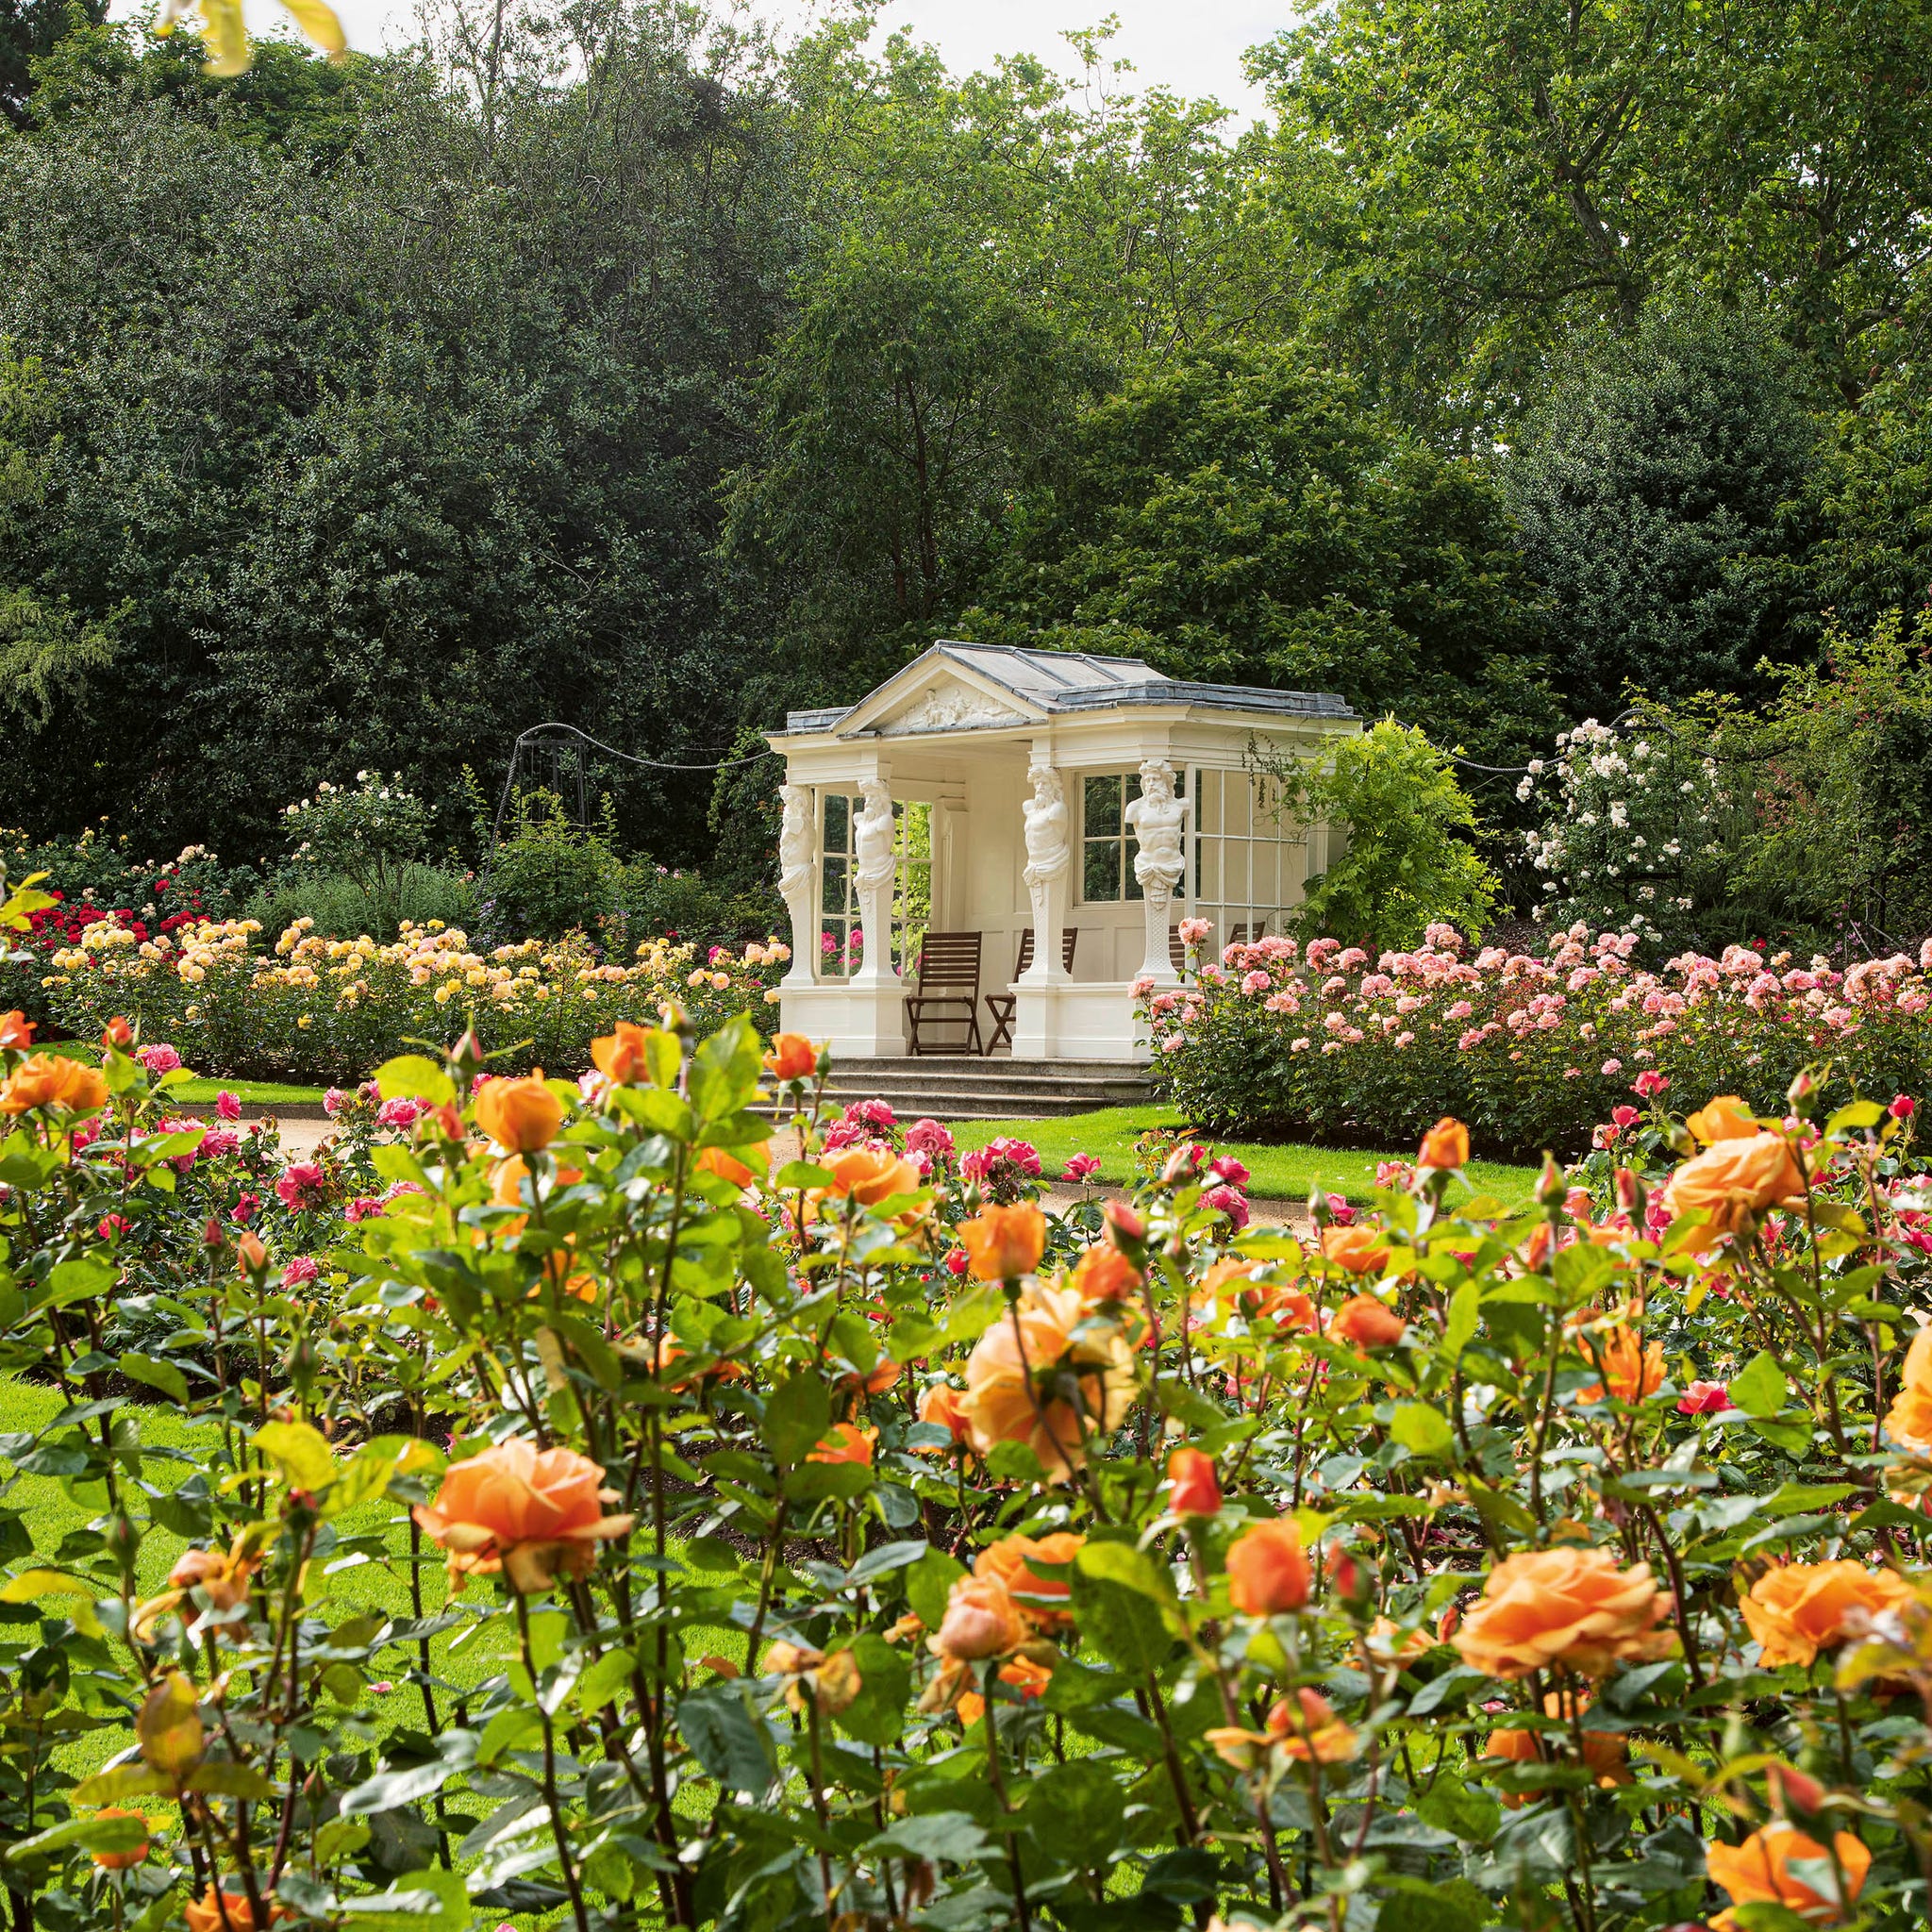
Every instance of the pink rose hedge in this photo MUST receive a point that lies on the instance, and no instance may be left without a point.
(1532, 1053)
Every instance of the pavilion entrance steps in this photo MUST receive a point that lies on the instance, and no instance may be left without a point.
(972, 1088)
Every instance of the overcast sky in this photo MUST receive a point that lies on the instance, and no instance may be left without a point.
(1194, 46)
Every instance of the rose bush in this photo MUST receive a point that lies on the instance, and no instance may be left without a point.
(326, 1009)
(1532, 1053)
(768, 1567)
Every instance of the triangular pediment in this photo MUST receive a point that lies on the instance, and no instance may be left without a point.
(937, 693)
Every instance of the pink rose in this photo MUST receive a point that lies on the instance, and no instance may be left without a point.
(304, 1267)
(159, 1058)
(1705, 1398)
(228, 1105)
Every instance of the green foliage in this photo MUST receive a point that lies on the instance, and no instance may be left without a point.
(1402, 823)
(1245, 516)
(344, 907)
(547, 875)
(31, 31)
(1654, 493)
(369, 833)
(1872, 495)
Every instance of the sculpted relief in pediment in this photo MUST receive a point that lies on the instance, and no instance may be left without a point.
(950, 707)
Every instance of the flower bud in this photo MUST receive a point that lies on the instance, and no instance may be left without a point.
(1193, 1487)
(1802, 1089)
(1550, 1186)
(251, 1257)
(1319, 1210)
(118, 1034)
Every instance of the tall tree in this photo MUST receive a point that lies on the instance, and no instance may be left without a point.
(30, 31)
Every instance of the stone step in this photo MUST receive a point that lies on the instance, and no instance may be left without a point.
(971, 1088)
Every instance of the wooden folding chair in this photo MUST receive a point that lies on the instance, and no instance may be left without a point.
(948, 979)
(1002, 1006)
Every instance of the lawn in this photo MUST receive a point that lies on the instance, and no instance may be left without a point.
(1284, 1172)
(249, 1092)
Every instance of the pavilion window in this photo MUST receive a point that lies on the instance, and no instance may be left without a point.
(1249, 855)
(1108, 845)
(842, 945)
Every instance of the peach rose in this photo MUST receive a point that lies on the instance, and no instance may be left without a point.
(1194, 1488)
(1798, 1609)
(224, 1580)
(1633, 1372)
(50, 1079)
(1744, 1173)
(1367, 1322)
(872, 1175)
(622, 1055)
(1043, 1600)
(981, 1621)
(1009, 1393)
(134, 1854)
(1308, 1729)
(17, 1034)
(229, 1911)
(531, 1514)
(792, 1058)
(1103, 1273)
(1356, 1249)
(1565, 1606)
(1758, 1872)
(1445, 1145)
(1604, 1753)
(845, 1442)
(1268, 1570)
(1908, 1421)
(1022, 1675)
(1726, 1118)
(520, 1115)
(943, 1406)
(1003, 1244)
(749, 1167)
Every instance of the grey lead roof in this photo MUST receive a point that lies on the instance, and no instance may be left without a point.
(1079, 681)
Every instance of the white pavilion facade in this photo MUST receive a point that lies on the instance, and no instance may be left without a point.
(994, 845)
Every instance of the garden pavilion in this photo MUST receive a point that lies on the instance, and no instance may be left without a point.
(944, 836)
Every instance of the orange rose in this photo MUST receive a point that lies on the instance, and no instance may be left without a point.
(229, 1911)
(1604, 1753)
(622, 1055)
(1908, 1421)
(1758, 1872)
(945, 1406)
(134, 1854)
(17, 1031)
(1445, 1145)
(1744, 1173)
(1103, 1273)
(1367, 1322)
(1798, 1609)
(1356, 1249)
(1022, 1675)
(1003, 1243)
(1268, 1570)
(792, 1058)
(981, 1621)
(1726, 1118)
(1041, 1600)
(1571, 1606)
(752, 1171)
(845, 1442)
(1633, 1372)
(520, 1115)
(117, 1033)
(1308, 1728)
(872, 1175)
(50, 1079)
(531, 1514)
(1231, 1283)
(1192, 1488)
(1010, 1392)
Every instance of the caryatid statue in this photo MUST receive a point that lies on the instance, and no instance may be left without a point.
(798, 876)
(1048, 860)
(874, 865)
(1158, 819)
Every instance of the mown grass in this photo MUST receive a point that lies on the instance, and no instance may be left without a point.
(1279, 1172)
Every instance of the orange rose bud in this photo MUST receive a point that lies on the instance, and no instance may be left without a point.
(1124, 1226)
(1192, 1488)
(17, 1031)
(229, 1911)
(520, 1115)
(118, 1034)
(622, 1055)
(942, 1406)
(792, 1058)
(1003, 1244)
(1268, 1570)
(1758, 1872)
(1726, 1118)
(1355, 1250)
(1367, 1322)
(251, 1257)
(1103, 1273)
(1791, 1790)
(1445, 1145)
(845, 1442)
(134, 1854)
(749, 1171)
(1798, 1609)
